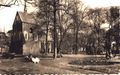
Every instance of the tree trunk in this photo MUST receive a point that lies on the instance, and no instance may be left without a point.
(47, 24)
(55, 36)
(76, 40)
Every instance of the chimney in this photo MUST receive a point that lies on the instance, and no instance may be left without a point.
(25, 5)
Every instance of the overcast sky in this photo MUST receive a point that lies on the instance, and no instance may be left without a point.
(7, 14)
(101, 3)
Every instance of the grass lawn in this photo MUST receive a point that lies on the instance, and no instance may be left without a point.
(65, 65)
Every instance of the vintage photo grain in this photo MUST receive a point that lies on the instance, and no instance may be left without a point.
(59, 37)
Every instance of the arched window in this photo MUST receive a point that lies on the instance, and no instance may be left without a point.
(26, 35)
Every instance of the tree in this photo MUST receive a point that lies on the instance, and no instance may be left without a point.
(113, 33)
(77, 11)
(97, 16)
(44, 16)
(10, 3)
(67, 19)
(47, 15)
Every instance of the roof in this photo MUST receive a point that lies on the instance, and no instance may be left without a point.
(7, 17)
(26, 18)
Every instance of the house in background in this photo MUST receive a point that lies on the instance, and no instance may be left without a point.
(25, 38)
(3, 42)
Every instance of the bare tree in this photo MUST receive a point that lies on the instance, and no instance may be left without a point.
(97, 16)
(77, 11)
(47, 15)
(65, 16)
(113, 33)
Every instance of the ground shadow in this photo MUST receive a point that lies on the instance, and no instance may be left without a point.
(93, 61)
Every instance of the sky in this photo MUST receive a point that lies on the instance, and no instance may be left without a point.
(7, 14)
(101, 3)
(6, 19)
